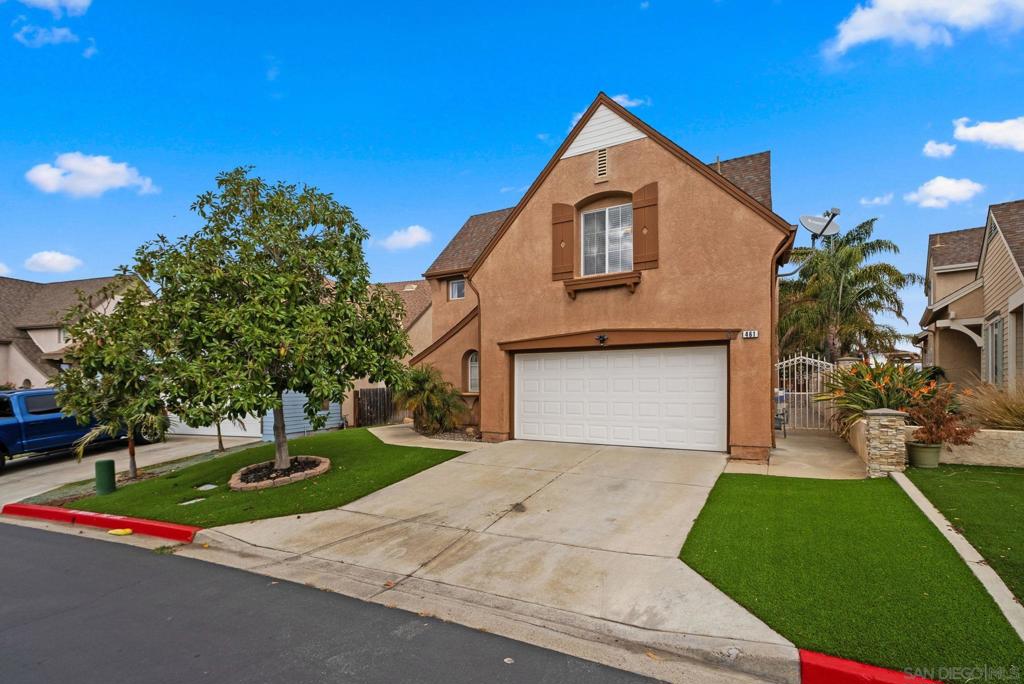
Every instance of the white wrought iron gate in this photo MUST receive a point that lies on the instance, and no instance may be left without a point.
(801, 377)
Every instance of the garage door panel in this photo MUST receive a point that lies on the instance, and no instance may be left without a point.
(667, 397)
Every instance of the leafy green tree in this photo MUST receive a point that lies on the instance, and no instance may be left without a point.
(435, 403)
(271, 295)
(113, 376)
(833, 304)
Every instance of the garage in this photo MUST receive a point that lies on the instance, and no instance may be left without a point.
(667, 397)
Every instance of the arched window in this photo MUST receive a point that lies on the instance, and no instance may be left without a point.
(473, 371)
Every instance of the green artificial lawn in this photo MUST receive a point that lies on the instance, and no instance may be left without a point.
(987, 506)
(360, 464)
(850, 568)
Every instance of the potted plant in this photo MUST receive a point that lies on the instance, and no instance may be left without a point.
(938, 423)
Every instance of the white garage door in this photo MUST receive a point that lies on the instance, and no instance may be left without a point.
(670, 397)
(250, 426)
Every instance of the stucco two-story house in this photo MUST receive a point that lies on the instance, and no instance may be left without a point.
(628, 298)
(973, 326)
(32, 340)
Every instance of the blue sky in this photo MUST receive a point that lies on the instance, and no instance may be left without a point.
(420, 116)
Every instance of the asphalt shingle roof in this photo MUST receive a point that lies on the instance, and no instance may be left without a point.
(955, 246)
(1010, 217)
(25, 305)
(415, 296)
(752, 174)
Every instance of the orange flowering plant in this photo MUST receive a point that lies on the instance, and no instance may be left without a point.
(940, 420)
(871, 385)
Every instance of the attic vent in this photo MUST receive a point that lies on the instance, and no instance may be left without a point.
(409, 288)
(602, 162)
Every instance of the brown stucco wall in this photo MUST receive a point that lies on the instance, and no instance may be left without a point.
(947, 283)
(959, 356)
(715, 271)
(447, 313)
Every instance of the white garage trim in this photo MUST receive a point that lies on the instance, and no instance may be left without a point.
(667, 397)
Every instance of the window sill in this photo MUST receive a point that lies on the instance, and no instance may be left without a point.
(470, 394)
(628, 279)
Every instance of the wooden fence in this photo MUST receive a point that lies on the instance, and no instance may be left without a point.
(375, 406)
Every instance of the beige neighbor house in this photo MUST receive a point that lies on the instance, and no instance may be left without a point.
(628, 298)
(973, 326)
(32, 342)
(416, 297)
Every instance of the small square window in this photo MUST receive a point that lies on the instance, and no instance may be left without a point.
(457, 289)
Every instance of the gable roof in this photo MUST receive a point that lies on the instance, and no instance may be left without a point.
(955, 247)
(415, 296)
(1009, 216)
(602, 100)
(462, 250)
(25, 305)
(751, 173)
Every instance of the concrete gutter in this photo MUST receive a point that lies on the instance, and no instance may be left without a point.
(992, 582)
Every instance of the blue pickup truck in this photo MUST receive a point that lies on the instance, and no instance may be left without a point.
(32, 423)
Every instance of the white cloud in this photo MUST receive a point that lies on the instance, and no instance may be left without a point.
(37, 36)
(273, 72)
(406, 238)
(922, 23)
(74, 8)
(4, 269)
(629, 102)
(938, 150)
(544, 137)
(1009, 133)
(940, 191)
(91, 49)
(645, 4)
(880, 200)
(52, 262)
(84, 175)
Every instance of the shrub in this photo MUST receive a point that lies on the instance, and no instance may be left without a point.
(868, 385)
(435, 403)
(939, 420)
(996, 408)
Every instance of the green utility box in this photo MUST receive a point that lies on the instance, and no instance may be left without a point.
(105, 483)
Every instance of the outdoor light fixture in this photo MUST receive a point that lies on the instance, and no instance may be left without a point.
(601, 339)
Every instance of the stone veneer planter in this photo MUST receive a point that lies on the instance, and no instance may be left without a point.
(988, 448)
(235, 483)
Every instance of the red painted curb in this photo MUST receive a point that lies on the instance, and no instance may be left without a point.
(818, 668)
(152, 528)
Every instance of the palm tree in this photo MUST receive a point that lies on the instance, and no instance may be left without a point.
(833, 304)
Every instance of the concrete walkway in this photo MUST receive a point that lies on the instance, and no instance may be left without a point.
(817, 454)
(568, 546)
(404, 435)
(23, 478)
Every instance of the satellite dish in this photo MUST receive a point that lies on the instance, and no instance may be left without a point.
(820, 226)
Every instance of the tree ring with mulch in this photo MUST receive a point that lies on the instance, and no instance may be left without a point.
(263, 475)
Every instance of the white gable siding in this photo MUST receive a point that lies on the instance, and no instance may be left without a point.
(605, 129)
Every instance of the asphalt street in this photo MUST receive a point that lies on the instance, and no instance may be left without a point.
(82, 610)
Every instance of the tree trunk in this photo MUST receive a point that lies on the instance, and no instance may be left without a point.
(832, 341)
(220, 438)
(281, 457)
(133, 471)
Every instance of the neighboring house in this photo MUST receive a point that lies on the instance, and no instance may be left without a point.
(973, 326)
(415, 296)
(32, 341)
(628, 298)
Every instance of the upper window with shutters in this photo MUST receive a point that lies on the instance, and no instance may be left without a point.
(607, 240)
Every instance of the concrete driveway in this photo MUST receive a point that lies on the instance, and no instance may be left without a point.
(27, 477)
(571, 536)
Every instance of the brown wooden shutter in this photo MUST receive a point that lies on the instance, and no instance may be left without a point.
(562, 232)
(645, 227)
